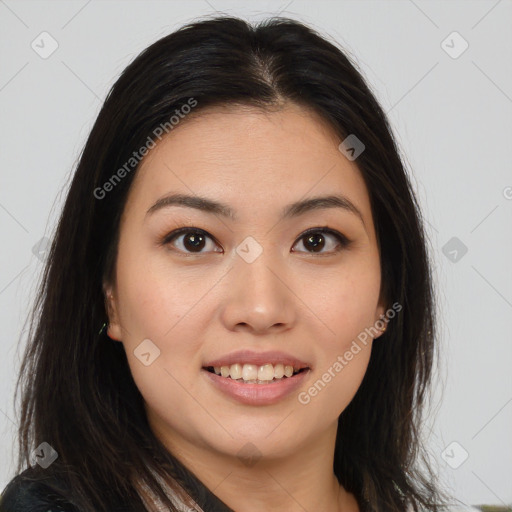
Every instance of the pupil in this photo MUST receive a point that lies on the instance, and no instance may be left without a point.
(197, 241)
(317, 246)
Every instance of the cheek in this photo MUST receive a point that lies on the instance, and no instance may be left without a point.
(336, 385)
(159, 297)
(345, 301)
(338, 374)
(159, 307)
(162, 304)
(170, 316)
(346, 304)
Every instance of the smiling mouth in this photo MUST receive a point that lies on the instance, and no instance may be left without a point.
(290, 372)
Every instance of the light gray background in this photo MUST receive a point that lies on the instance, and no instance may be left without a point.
(452, 117)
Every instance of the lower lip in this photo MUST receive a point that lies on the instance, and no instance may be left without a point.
(257, 394)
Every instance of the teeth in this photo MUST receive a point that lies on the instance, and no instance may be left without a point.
(279, 371)
(266, 372)
(235, 371)
(253, 374)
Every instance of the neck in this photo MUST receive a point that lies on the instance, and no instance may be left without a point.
(294, 482)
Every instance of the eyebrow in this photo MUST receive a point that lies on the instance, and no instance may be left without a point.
(292, 210)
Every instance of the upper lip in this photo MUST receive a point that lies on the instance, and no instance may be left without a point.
(259, 359)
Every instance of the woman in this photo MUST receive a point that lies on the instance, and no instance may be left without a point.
(241, 225)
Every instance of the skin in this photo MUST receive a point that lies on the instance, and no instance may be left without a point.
(199, 307)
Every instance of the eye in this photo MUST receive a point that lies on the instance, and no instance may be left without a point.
(193, 240)
(315, 240)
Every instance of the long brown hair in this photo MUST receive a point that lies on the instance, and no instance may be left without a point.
(78, 394)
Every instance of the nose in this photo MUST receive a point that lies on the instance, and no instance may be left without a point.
(258, 297)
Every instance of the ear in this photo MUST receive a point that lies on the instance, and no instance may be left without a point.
(381, 321)
(114, 325)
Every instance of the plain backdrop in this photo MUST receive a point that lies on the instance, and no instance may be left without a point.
(449, 101)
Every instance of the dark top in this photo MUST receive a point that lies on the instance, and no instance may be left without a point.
(23, 494)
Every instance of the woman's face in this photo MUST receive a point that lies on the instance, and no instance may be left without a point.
(250, 281)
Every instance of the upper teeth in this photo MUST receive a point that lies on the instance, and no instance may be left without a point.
(248, 372)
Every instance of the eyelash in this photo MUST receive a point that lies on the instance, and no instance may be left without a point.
(343, 241)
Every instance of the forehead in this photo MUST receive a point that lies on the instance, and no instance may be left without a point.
(253, 160)
(240, 132)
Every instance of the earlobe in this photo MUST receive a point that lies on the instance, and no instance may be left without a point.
(381, 322)
(114, 327)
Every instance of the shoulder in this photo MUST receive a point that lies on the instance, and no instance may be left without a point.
(27, 492)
